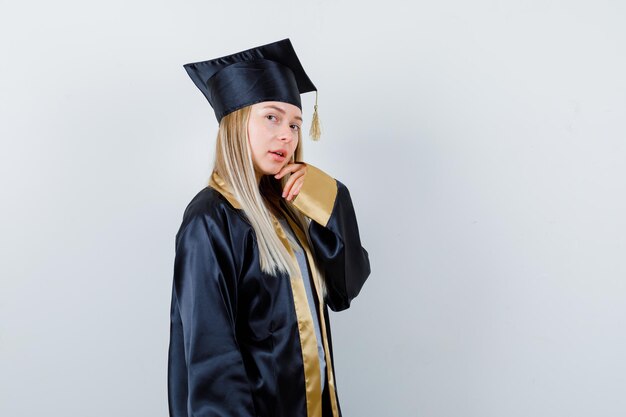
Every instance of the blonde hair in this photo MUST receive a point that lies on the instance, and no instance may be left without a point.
(233, 163)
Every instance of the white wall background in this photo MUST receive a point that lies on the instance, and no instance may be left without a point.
(483, 143)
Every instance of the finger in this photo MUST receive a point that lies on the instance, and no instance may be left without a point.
(294, 176)
(288, 187)
(291, 167)
(287, 168)
(290, 182)
(282, 172)
(295, 189)
(299, 187)
(297, 176)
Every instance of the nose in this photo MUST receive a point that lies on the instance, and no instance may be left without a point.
(285, 134)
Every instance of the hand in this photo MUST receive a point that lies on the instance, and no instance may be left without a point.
(295, 181)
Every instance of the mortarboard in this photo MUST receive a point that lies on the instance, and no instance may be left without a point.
(270, 72)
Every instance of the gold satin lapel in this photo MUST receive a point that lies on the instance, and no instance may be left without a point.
(308, 340)
(220, 185)
(316, 276)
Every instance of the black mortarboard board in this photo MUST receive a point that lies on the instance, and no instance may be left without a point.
(270, 72)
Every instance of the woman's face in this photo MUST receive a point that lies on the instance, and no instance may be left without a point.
(273, 128)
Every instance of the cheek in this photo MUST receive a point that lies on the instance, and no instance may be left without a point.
(255, 138)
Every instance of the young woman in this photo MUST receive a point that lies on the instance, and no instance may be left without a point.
(261, 254)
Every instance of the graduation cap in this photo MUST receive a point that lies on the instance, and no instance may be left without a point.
(270, 72)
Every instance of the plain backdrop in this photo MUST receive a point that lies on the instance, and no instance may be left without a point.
(483, 144)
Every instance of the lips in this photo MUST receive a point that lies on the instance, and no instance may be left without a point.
(281, 152)
(278, 155)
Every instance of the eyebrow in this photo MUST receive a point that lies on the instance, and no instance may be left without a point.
(280, 110)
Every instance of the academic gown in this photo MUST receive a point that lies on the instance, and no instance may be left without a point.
(242, 342)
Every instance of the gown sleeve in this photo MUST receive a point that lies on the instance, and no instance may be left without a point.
(205, 286)
(335, 236)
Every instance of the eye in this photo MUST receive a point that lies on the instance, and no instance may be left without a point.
(269, 116)
(295, 127)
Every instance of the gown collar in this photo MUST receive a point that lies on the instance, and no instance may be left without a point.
(220, 185)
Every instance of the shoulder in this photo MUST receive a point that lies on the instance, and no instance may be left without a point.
(207, 201)
(210, 209)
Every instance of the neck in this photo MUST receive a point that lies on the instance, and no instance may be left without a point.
(258, 177)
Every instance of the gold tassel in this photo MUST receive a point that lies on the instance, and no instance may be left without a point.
(315, 131)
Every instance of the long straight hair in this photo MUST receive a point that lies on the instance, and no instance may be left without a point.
(233, 163)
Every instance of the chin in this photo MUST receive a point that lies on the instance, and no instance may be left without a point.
(272, 170)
